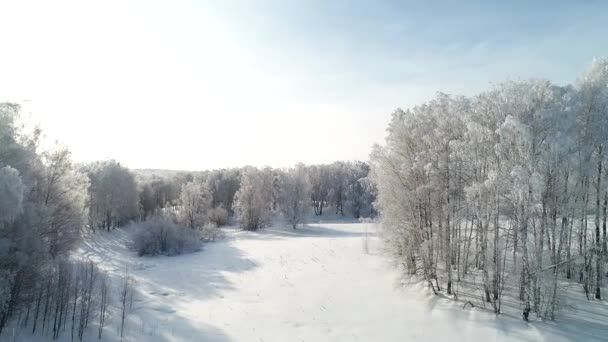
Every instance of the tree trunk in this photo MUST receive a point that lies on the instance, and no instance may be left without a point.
(604, 241)
(448, 233)
(598, 248)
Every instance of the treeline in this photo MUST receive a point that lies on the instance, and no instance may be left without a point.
(47, 203)
(254, 196)
(508, 187)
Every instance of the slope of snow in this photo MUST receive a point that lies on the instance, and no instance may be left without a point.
(316, 283)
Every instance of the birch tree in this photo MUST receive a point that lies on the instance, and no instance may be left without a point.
(295, 195)
(252, 201)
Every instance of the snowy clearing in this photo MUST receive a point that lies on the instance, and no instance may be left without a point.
(311, 284)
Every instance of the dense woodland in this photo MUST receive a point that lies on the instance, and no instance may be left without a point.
(508, 186)
(49, 204)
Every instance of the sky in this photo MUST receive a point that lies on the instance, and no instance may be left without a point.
(192, 85)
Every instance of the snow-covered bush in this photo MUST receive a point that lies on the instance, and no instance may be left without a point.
(218, 216)
(160, 236)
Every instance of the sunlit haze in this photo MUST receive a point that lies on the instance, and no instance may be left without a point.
(212, 84)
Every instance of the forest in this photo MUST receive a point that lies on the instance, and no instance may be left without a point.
(506, 189)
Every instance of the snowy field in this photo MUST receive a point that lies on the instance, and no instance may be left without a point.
(316, 283)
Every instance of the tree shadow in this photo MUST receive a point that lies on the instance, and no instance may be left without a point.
(164, 286)
(587, 325)
(199, 272)
(331, 219)
(158, 326)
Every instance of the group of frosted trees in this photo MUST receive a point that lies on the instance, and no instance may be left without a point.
(114, 198)
(44, 206)
(506, 189)
(298, 191)
(252, 197)
(343, 187)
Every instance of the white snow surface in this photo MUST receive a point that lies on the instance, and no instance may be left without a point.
(315, 283)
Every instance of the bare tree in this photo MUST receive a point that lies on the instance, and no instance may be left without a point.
(125, 297)
(104, 302)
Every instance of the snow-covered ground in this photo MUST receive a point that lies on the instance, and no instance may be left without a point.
(315, 283)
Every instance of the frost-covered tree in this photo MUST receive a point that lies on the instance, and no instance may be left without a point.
(593, 121)
(11, 194)
(337, 185)
(359, 195)
(294, 199)
(342, 186)
(319, 176)
(62, 194)
(11, 205)
(147, 203)
(114, 197)
(223, 185)
(194, 204)
(159, 190)
(252, 201)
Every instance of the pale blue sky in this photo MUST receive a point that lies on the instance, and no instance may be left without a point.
(207, 84)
